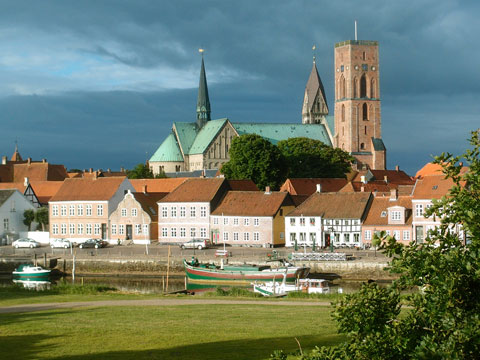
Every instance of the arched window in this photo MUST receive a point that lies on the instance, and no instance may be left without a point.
(365, 130)
(362, 146)
(373, 92)
(355, 86)
(343, 113)
(371, 112)
(342, 87)
(363, 86)
(365, 111)
(343, 131)
(364, 55)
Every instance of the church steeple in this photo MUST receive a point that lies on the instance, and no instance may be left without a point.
(203, 102)
(16, 157)
(315, 107)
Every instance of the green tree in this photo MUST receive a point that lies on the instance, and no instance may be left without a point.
(28, 217)
(442, 318)
(308, 158)
(41, 217)
(142, 171)
(253, 157)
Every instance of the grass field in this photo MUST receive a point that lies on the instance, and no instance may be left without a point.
(194, 331)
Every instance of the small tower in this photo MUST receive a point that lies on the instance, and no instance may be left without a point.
(203, 102)
(315, 108)
(16, 157)
(358, 125)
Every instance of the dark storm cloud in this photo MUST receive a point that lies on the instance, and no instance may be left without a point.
(258, 58)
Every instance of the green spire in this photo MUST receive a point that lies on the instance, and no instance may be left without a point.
(203, 102)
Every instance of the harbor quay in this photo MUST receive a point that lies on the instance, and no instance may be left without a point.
(158, 260)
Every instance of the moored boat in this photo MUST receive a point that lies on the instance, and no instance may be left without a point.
(197, 272)
(31, 272)
(309, 286)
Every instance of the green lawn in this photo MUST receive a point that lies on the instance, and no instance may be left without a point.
(165, 332)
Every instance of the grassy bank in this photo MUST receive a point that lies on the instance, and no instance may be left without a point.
(167, 332)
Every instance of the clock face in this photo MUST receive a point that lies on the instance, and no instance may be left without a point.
(356, 67)
(348, 67)
(338, 69)
(374, 68)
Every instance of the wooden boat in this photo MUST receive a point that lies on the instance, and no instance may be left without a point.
(31, 272)
(197, 272)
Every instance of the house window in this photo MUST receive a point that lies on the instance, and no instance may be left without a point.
(396, 215)
(88, 210)
(356, 237)
(80, 229)
(203, 233)
(80, 210)
(246, 221)
(235, 221)
(256, 236)
(215, 221)
(383, 214)
(396, 234)
(88, 229)
(164, 232)
(114, 229)
(193, 232)
(193, 211)
(134, 212)
(63, 229)
(72, 229)
(183, 232)
(63, 210)
(346, 238)
(121, 229)
(54, 227)
(225, 221)
(96, 229)
(173, 232)
(406, 234)
(71, 210)
(225, 236)
(246, 236)
(312, 221)
(387, 232)
(302, 221)
(418, 210)
(182, 211)
(55, 210)
(203, 211)
(124, 212)
(145, 229)
(164, 212)
(173, 211)
(256, 222)
(368, 234)
(138, 229)
(292, 221)
(235, 236)
(99, 210)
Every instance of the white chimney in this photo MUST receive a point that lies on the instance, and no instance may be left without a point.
(145, 188)
(393, 194)
(319, 188)
(4, 160)
(267, 190)
(26, 182)
(362, 179)
(385, 178)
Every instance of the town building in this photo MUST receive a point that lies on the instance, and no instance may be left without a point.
(81, 208)
(308, 186)
(251, 218)
(12, 206)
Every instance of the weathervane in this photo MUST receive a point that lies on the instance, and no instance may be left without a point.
(314, 47)
(201, 51)
(355, 30)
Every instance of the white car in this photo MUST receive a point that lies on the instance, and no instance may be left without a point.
(60, 243)
(194, 244)
(25, 243)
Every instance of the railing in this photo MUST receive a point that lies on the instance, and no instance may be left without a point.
(319, 256)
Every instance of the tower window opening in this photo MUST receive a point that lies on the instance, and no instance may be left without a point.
(362, 146)
(342, 87)
(372, 89)
(355, 85)
(363, 86)
(365, 111)
(364, 55)
(343, 113)
(343, 131)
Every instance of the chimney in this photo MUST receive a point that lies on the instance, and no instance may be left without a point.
(29, 161)
(397, 168)
(122, 169)
(362, 179)
(267, 190)
(44, 161)
(90, 170)
(362, 188)
(319, 188)
(393, 194)
(145, 188)
(4, 160)
(109, 171)
(385, 178)
(26, 182)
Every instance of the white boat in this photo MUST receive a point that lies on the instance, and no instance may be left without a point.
(31, 272)
(313, 286)
(309, 286)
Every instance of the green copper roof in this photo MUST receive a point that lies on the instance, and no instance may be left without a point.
(378, 144)
(205, 136)
(277, 132)
(186, 133)
(168, 151)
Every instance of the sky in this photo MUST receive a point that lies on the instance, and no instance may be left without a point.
(98, 84)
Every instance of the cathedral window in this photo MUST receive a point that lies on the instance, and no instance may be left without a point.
(343, 113)
(342, 87)
(362, 146)
(355, 86)
(363, 86)
(365, 111)
(343, 131)
(364, 55)
(372, 89)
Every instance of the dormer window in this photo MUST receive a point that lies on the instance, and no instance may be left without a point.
(435, 187)
(383, 214)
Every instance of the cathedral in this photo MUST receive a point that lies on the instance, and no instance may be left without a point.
(355, 126)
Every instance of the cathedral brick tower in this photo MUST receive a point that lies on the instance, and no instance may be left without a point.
(358, 125)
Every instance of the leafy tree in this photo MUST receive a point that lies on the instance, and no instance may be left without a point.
(442, 317)
(308, 158)
(41, 217)
(28, 217)
(142, 171)
(253, 157)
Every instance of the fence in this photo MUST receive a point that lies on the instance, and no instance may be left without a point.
(319, 256)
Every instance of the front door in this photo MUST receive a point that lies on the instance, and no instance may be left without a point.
(419, 234)
(129, 232)
(104, 231)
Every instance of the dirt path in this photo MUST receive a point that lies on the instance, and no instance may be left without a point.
(154, 302)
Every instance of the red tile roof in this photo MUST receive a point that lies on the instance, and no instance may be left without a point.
(39, 171)
(398, 177)
(252, 203)
(44, 190)
(83, 189)
(381, 204)
(242, 185)
(348, 205)
(307, 186)
(157, 185)
(148, 201)
(11, 185)
(432, 187)
(434, 169)
(196, 190)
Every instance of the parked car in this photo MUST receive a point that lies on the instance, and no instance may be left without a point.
(60, 243)
(25, 243)
(195, 244)
(93, 243)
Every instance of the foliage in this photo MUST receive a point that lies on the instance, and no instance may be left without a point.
(142, 171)
(28, 217)
(442, 319)
(309, 158)
(41, 217)
(253, 157)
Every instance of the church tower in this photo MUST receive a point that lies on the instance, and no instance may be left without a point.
(203, 102)
(357, 103)
(315, 108)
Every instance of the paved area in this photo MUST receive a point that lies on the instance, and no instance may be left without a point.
(153, 302)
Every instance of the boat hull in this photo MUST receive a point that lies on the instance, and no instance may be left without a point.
(243, 275)
(31, 276)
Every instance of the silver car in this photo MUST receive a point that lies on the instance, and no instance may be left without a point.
(60, 243)
(25, 243)
(195, 244)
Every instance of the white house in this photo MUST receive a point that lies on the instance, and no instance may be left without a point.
(12, 206)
